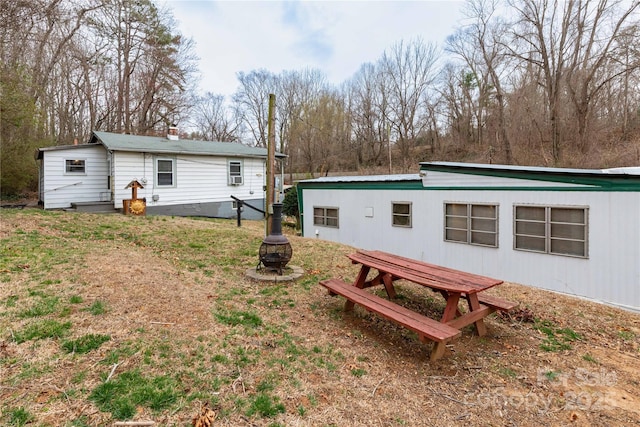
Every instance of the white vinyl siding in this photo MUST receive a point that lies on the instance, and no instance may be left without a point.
(59, 188)
(553, 230)
(198, 179)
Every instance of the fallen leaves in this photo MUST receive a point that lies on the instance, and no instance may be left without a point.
(205, 418)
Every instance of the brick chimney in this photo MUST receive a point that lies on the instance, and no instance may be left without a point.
(172, 133)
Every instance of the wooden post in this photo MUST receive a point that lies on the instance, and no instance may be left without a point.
(271, 154)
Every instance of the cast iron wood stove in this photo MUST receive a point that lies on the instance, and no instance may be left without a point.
(275, 250)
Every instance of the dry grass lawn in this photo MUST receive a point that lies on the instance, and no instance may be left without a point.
(181, 325)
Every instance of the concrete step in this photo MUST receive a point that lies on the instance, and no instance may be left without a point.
(96, 207)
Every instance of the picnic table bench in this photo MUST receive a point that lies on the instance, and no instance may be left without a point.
(451, 284)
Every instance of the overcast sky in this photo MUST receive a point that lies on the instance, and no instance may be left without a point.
(336, 37)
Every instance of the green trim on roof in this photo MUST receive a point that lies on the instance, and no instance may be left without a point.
(362, 185)
(569, 189)
(601, 181)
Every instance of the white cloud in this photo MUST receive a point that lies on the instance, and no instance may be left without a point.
(336, 37)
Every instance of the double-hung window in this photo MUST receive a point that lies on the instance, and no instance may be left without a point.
(325, 216)
(401, 214)
(235, 172)
(165, 172)
(555, 230)
(74, 166)
(474, 224)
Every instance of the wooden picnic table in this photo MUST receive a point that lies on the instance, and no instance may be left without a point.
(451, 284)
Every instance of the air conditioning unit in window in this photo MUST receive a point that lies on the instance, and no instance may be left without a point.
(235, 180)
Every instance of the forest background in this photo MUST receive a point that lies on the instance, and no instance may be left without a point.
(528, 82)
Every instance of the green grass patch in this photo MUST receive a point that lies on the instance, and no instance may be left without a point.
(11, 301)
(42, 329)
(19, 417)
(46, 305)
(75, 299)
(265, 406)
(85, 343)
(121, 395)
(235, 318)
(358, 372)
(97, 308)
(556, 339)
(626, 335)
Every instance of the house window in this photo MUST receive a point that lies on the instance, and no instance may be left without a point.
(325, 216)
(165, 172)
(401, 214)
(235, 172)
(552, 230)
(474, 224)
(74, 166)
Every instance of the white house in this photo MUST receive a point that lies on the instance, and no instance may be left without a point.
(180, 177)
(573, 231)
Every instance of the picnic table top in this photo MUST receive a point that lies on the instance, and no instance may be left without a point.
(430, 275)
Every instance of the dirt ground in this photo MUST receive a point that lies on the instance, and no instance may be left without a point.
(503, 379)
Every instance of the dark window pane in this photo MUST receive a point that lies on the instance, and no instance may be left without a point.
(568, 231)
(74, 166)
(530, 213)
(568, 247)
(165, 166)
(483, 211)
(530, 228)
(575, 216)
(483, 224)
(530, 243)
(456, 222)
(234, 168)
(165, 179)
(404, 221)
(479, 238)
(456, 209)
(456, 235)
(401, 208)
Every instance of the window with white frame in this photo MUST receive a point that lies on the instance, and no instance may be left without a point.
(75, 166)
(325, 216)
(165, 172)
(471, 223)
(557, 230)
(401, 214)
(235, 172)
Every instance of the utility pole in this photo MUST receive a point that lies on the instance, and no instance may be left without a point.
(271, 159)
(389, 144)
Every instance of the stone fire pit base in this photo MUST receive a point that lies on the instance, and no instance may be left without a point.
(289, 273)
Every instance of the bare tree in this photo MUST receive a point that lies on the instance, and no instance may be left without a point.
(252, 99)
(214, 121)
(370, 130)
(409, 71)
(597, 28)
